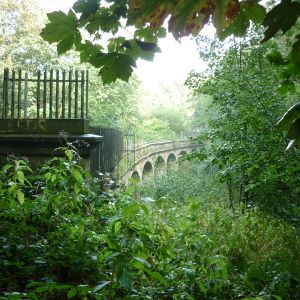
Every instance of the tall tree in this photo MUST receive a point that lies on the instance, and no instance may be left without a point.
(244, 142)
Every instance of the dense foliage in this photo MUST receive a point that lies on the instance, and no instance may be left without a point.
(242, 139)
(116, 57)
(66, 235)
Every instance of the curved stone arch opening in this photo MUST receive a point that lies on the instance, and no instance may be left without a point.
(171, 162)
(147, 170)
(159, 166)
(182, 153)
(135, 175)
(181, 161)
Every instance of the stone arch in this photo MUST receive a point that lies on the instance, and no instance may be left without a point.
(159, 166)
(180, 158)
(136, 175)
(183, 152)
(171, 162)
(147, 170)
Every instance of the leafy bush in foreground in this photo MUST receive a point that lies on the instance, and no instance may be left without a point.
(61, 237)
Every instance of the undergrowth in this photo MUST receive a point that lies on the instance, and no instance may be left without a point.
(66, 235)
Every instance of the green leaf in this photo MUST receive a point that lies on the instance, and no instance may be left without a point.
(138, 49)
(295, 54)
(156, 276)
(275, 58)
(60, 18)
(282, 17)
(86, 7)
(254, 11)
(294, 130)
(125, 279)
(20, 176)
(286, 86)
(289, 117)
(15, 296)
(117, 227)
(150, 34)
(71, 293)
(34, 283)
(100, 286)
(103, 20)
(115, 66)
(238, 27)
(65, 44)
(77, 175)
(130, 210)
(20, 196)
(143, 261)
(62, 29)
(224, 13)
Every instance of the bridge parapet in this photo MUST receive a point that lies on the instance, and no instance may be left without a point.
(145, 149)
(155, 159)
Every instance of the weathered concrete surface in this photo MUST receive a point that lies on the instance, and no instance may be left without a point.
(40, 147)
(44, 126)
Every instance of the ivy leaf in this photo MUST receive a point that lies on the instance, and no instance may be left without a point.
(282, 17)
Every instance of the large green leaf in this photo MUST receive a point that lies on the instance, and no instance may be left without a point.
(125, 279)
(224, 13)
(282, 17)
(139, 49)
(289, 117)
(62, 29)
(295, 54)
(130, 210)
(117, 66)
(103, 20)
(86, 7)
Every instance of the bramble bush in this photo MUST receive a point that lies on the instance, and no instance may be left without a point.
(64, 236)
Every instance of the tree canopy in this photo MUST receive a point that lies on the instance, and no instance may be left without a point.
(111, 48)
(116, 55)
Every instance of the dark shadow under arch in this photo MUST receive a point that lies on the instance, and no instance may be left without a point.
(159, 166)
(171, 162)
(136, 175)
(147, 170)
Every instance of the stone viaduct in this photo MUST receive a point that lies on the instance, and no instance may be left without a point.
(156, 159)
